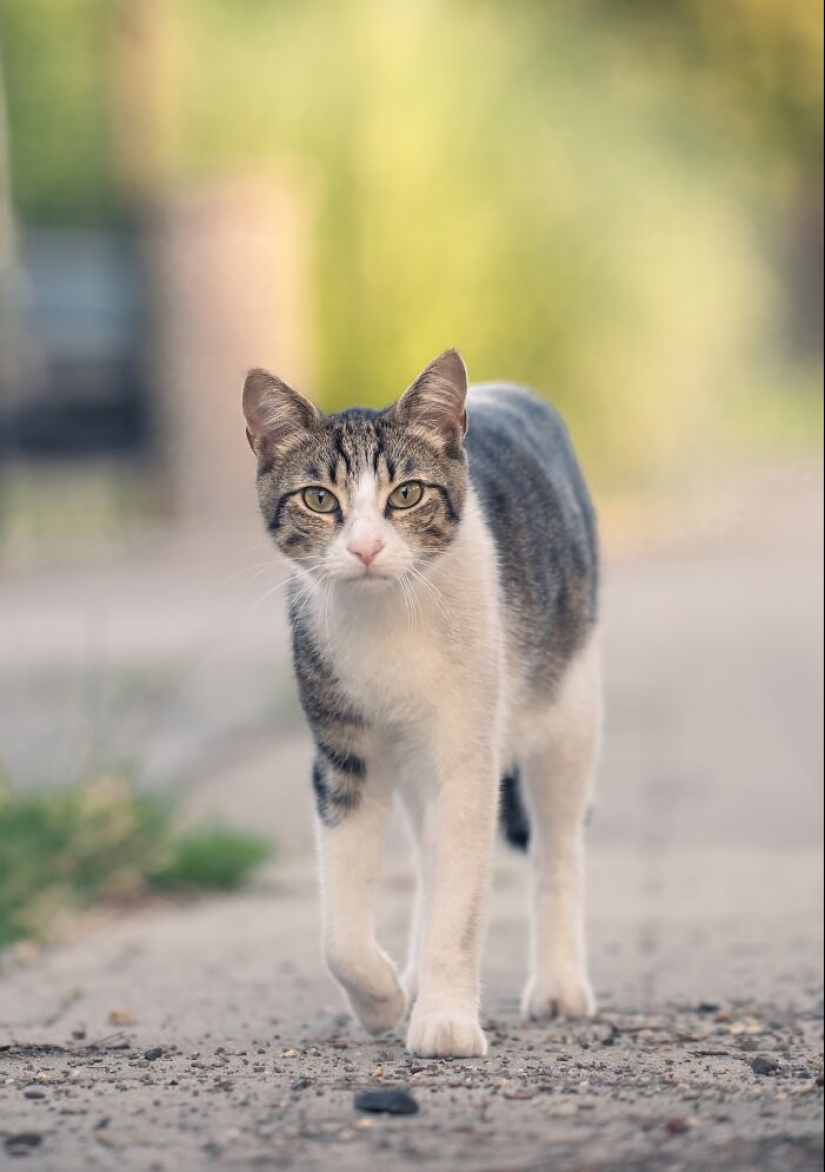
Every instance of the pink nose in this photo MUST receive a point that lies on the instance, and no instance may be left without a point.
(366, 549)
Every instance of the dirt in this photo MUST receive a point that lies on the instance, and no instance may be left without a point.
(674, 1090)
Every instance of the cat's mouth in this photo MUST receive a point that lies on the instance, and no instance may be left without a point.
(369, 577)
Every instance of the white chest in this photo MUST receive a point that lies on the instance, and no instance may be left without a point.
(389, 662)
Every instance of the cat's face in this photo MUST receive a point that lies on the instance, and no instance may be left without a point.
(363, 496)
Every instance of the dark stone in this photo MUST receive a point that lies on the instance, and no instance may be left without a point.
(764, 1064)
(391, 1102)
(153, 1055)
(23, 1141)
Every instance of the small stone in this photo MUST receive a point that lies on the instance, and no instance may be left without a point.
(677, 1126)
(513, 1092)
(392, 1102)
(122, 1017)
(23, 1141)
(33, 1093)
(765, 1064)
(153, 1054)
(805, 1088)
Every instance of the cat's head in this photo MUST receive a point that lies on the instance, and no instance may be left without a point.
(362, 496)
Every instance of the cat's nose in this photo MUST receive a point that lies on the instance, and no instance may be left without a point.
(366, 549)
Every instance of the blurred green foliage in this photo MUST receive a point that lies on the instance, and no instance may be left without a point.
(211, 858)
(602, 199)
(61, 851)
(55, 62)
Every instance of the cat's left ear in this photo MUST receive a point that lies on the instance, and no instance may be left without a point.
(275, 413)
(437, 400)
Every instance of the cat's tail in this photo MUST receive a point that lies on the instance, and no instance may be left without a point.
(513, 816)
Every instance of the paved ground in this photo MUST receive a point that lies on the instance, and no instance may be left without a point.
(207, 1036)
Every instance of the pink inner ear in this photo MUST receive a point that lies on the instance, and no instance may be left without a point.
(273, 410)
(437, 397)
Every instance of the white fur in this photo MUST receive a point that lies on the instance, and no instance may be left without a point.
(429, 664)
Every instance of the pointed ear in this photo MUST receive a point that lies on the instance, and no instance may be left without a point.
(274, 412)
(436, 401)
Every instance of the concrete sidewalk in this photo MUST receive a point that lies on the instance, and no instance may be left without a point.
(705, 910)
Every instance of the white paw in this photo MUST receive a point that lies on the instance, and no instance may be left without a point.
(567, 996)
(446, 1035)
(372, 988)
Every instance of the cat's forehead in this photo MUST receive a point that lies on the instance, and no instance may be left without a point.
(355, 440)
(361, 443)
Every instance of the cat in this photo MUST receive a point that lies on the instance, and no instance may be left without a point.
(444, 606)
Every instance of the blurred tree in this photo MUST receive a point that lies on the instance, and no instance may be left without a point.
(593, 197)
(10, 356)
(750, 69)
(56, 64)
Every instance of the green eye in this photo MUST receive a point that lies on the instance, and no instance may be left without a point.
(320, 500)
(406, 495)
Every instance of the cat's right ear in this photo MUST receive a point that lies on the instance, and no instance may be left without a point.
(275, 413)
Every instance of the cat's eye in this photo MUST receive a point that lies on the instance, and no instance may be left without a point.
(407, 495)
(320, 500)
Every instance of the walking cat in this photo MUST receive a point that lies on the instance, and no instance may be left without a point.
(443, 602)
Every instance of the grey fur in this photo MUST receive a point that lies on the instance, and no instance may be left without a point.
(524, 469)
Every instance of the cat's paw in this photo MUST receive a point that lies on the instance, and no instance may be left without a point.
(378, 1014)
(569, 997)
(446, 1035)
(372, 988)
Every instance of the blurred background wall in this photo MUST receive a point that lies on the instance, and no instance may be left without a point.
(618, 201)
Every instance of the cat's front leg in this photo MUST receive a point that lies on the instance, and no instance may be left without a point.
(456, 825)
(350, 839)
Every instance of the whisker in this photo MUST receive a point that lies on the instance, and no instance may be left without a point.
(433, 591)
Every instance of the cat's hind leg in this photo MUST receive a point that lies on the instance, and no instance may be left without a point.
(558, 774)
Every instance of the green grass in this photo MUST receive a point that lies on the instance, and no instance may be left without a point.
(61, 852)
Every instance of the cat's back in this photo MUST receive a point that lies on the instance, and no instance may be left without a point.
(535, 500)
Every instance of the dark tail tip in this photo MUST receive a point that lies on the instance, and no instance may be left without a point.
(513, 817)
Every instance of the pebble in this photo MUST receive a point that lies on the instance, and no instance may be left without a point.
(765, 1064)
(23, 1141)
(394, 1102)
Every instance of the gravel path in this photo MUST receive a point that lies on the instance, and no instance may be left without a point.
(207, 1037)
